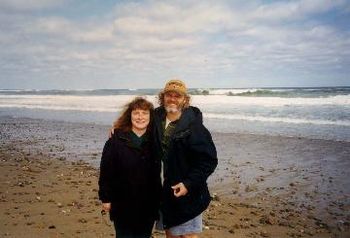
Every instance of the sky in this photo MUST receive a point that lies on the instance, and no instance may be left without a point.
(94, 44)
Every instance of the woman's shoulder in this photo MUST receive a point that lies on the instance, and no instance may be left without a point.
(118, 133)
(120, 136)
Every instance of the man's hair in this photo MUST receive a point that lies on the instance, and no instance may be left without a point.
(123, 123)
(161, 99)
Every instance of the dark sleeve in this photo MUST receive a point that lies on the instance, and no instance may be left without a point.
(203, 156)
(105, 178)
(157, 187)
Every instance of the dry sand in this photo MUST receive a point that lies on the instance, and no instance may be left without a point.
(265, 186)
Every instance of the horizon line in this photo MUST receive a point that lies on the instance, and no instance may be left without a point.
(131, 89)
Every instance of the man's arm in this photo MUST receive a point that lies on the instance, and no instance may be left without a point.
(204, 157)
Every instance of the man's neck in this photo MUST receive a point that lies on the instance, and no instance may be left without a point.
(173, 116)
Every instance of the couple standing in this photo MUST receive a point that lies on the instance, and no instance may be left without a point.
(155, 166)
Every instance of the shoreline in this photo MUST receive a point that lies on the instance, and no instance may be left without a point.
(265, 186)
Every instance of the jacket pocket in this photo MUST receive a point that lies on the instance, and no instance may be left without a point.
(185, 204)
(182, 134)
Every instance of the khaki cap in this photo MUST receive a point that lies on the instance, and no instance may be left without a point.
(175, 85)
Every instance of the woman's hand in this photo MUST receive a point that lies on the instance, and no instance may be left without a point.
(106, 207)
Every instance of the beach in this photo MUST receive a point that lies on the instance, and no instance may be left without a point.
(264, 186)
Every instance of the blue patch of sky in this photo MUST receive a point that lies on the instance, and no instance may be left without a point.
(82, 9)
(336, 18)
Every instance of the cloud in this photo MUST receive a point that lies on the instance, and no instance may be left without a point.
(29, 5)
(155, 39)
(51, 25)
(294, 9)
(98, 34)
(73, 31)
(165, 18)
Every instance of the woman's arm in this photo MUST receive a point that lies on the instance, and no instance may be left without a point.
(105, 178)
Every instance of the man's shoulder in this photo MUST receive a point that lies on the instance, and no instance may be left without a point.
(194, 109)
(159, 112)
(193, 114)
(159, 109)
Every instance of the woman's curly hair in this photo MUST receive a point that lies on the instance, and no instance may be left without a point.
(123, 123)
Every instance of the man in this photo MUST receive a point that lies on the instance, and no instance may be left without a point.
(188, 157)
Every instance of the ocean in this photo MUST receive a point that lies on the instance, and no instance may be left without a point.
(319, 113)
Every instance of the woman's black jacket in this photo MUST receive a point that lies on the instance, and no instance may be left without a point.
(191, 158)
(129, 179)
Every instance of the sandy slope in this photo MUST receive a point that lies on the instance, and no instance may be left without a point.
(263, 187)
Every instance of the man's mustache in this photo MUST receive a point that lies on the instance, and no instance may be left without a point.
(172, 109)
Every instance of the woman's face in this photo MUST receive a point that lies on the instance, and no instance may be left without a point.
(140, 119)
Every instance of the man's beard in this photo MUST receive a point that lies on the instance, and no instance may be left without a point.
(172, 109)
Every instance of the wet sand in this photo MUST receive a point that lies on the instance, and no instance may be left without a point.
(265, 186)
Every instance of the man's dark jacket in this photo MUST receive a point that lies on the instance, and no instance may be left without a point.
(191, 158)
(129, 179)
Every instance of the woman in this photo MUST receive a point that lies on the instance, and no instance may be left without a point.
(129, 184)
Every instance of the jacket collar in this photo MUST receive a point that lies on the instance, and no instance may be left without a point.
(189, 115)
(125, 136)
(122, 135)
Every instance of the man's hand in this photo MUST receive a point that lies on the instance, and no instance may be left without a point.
(111, 132)
(106, 207)
(179, 190)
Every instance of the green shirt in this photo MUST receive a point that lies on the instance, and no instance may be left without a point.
(135, 140)
(168, 132)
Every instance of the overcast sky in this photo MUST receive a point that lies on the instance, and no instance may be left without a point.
(87, 44)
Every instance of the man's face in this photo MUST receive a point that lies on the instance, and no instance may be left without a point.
(173, 101)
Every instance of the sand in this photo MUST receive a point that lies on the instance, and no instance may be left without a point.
(264, 186)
